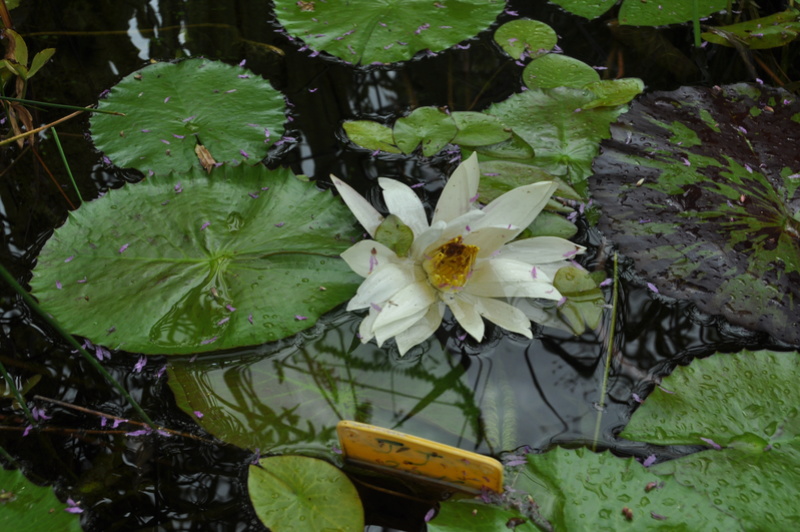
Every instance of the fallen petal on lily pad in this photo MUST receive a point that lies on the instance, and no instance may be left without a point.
(700, 187)
(157, 267)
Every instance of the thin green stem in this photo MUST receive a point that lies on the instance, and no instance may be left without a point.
(17, 395)
(74, 343)
(609, 354)
(696, 23)
(66, 164)
(61, 106)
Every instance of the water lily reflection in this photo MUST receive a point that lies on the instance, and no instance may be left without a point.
(464, 259)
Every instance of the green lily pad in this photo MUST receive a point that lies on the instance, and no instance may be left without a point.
(524, 36)
(743, 406)
(772, 31)
(716, 218)
(748, 393)
(612, 92)
(471, 515)
(194, 263)
(556, 70)
(428, 126)
(170, 108)
(584, 302)
(26, 507)
(290, 400)
(296, 492)
(365, 32)
(478, 129)
(565, 136)
(371, 135)
(658, 13)
(645, 12)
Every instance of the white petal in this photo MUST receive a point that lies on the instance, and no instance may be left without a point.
(365, 330)
(460, 189)
(517, 208)
(364, 212)
(540, 250)
(381, 285)
(506, 316)
(403, 202)
(412, 299)
(398, 326)
(489, 239)
(463, 308)
(363, 261)
(426, 240)
(508, 278)
(422, 330)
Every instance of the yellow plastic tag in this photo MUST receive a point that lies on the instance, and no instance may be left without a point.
(403, 454)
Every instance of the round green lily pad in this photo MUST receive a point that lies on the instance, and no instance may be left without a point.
(194, 263)
(170, 108)
(700, 187)
(366, 31)
(521, 36)
(299, 493)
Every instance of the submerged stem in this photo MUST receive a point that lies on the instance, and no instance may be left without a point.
(609, 352)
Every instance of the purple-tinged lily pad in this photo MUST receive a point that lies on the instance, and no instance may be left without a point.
(700, 187)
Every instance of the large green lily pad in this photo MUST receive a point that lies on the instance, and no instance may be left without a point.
(716, 218)
(300, 493)
(742, 406)
(195, 263)
(26, 507)
(291, 400)
(646, 12)
(365, 31)
(170, 108)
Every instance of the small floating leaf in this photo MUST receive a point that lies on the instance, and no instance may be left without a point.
(172, 107)
(161, 262)
(371, 135)
(659, 13)
(757, 34)
(300, 493)
(521, 36)
(716, 218)
(556, 70)
(365, 31)
(427, 126)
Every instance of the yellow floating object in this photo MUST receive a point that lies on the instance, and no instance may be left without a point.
(402, 454)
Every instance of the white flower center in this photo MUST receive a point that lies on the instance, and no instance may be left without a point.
(450, 266)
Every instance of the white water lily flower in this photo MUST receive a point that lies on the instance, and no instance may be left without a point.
(463, 259)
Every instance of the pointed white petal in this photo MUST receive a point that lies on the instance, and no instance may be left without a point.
(412, 299)
(460, 189)
(420, 331)
(517, 208)
(541, 250)
(381, 285)
(463, 308)
(403, 202)
(363, 261)
(365, 213)
(506, 316)
(427, 240)
(398, 326)
(508, 278)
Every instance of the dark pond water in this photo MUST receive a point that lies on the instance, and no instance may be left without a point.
(195, 482)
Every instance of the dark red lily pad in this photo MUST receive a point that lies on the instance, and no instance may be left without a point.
(700, 187)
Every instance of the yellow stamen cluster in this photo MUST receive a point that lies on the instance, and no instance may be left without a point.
(450, 265)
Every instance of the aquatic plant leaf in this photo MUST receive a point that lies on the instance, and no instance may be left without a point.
(460, 516)
(584, 302)
(478, 129)
(427, 126)
(760, 33)
(564, 135)
(524, 36)
(290, 398)
(658, 13)
(744, 406)
(371, 135)
(556, 70)
(717, 216)
(365, 32)
(191, 263)
(611, 92)
(586, 8)
(172, 107)
(724, 398)
(26, 507)
(499, 177)
(297, 492)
